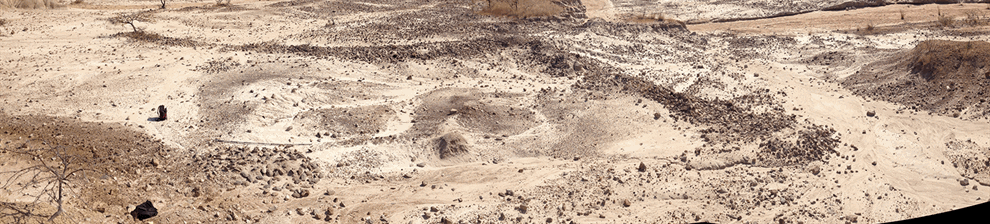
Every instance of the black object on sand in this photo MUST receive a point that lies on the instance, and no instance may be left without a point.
(161, 112)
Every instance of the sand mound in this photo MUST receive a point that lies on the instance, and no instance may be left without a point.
(944, 77)
(29, 4)
(451, 144)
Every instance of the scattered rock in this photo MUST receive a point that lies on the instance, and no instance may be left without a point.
(964, 182)
(626, 203)
(852, 218)
(814, 169)
(300, 193)
(871, 113)
(642, 167)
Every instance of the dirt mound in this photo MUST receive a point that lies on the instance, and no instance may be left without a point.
(451, 144)
(491, 113)
(944, 77)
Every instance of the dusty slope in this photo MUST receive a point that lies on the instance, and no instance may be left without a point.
(345, 111)
(945, 77)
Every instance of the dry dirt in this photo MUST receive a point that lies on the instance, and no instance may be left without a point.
(441, 111)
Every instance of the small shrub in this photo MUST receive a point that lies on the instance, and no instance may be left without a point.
(3, 22)
(76, 2)
(945, 21)
(869, 28)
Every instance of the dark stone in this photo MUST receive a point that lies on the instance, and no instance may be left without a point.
(144, 211)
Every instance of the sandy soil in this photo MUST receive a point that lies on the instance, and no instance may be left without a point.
(385, 111)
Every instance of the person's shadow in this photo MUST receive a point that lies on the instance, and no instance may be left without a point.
(155, 119)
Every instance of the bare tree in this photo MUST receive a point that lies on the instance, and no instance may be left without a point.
(163, 4)
(55, 169)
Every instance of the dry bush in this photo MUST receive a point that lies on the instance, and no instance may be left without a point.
(976, 18)
(49, 179)
(522, 8)
(128, 19)
(3, 22)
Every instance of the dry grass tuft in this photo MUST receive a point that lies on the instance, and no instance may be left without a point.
(522, 8)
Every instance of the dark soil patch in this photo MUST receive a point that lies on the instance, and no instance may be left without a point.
(217, 66)
(344, 122)
(154, 38)
(944, 77)
(729, 122)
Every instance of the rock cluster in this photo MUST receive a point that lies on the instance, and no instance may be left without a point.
(250, 165)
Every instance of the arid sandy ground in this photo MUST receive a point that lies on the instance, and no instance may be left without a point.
(383, 111)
